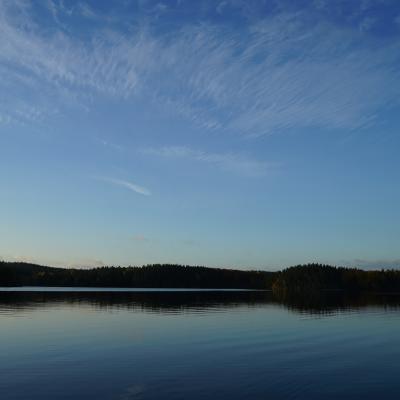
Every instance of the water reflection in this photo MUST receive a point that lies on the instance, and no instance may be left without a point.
(196, 302)
(198, 345)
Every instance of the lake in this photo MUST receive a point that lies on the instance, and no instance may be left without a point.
(93, 344)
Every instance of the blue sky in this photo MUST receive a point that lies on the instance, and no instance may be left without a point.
(234, 133)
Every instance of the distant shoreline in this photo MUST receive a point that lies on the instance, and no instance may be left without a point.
(301, 279)
(66, 289)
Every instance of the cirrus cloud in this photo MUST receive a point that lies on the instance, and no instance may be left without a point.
(232, 162)
(126, 184)
(283, 71)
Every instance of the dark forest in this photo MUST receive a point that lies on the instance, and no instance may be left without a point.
(297, 279)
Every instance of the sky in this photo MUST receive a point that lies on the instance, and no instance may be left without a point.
(246, 134)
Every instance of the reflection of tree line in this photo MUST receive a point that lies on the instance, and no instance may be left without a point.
(137, 301)
(322, 303)
(326, 302)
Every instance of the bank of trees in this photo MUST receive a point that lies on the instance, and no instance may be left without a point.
(316, 277)
(298, 279)
(158, 275)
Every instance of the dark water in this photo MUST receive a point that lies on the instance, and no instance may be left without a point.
(198, 345)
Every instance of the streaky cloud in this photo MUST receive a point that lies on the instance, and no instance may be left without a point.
(232, 162)
(129, 185)
(283, 71)
(375, 264)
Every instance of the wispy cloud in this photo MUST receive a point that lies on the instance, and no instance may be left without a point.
(85, 262)
(288, 70)
(375, 264)
(111, 145)
(129, 185)
(140, 238)
(231, 162)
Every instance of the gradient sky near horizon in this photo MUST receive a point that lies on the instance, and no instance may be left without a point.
(250, 134)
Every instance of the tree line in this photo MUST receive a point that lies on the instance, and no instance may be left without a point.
(297, 279)
(317, 277)
(156, 276)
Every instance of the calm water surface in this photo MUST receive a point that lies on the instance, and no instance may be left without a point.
(197, 345)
